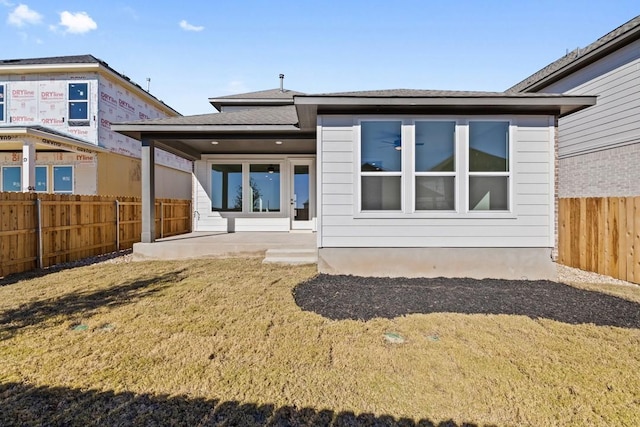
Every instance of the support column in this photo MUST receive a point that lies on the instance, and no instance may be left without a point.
(148, 192)
(28, 167)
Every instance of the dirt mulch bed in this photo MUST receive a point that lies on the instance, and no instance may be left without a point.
(364, 298)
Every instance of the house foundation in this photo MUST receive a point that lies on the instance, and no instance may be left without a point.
(479, 263)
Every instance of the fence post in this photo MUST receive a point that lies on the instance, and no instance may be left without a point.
(117, 225)
(161, 220)
(39, 215)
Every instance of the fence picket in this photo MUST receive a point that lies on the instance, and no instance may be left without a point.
(601, 235)
(73, 227)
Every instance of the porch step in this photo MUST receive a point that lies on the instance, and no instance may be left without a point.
(291, 256)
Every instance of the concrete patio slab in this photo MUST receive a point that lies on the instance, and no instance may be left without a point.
(222, 245)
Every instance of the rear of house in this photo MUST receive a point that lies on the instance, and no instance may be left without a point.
(457, 191)
(397, 182)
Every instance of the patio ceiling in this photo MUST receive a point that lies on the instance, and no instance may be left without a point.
(193, 146)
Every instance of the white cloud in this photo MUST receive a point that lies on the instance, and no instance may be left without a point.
(22, 15)
(188, 27)
(77, 23)
(6, 3)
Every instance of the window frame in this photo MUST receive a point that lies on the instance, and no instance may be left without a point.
(246, 211)
(210, 171)
(2, 169)
(280, 194)
(3, 103)
(78, 122)
(404, 141)
(454, 173)
(508, 174)
(408, 168)
(53, 175)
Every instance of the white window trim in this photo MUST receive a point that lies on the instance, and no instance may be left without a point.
(88, 101)
(3, 103)
(508, 174)
(408, 176)
(454, 174)
(73, 180)
(245, 162)
(359, 174)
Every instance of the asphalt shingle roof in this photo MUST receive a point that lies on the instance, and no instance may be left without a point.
(278, 115)
(264, 94)
(567, 61)
(420, 93)
(72, 59)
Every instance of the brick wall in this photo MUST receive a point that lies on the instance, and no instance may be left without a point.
(612, 172)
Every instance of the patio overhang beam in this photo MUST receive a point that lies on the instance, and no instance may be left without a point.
(136, 131)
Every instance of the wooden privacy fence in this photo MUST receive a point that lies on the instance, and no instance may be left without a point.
(601, 235)
(41, 230)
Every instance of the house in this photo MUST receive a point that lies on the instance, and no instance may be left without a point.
(393, 182)
(599, 147)
(55, 136)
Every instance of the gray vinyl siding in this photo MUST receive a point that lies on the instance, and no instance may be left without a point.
(530, 224)
(614, 120)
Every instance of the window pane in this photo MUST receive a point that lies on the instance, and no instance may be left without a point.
(381, 146)
(488, 146)
(301, 192)
(265, 188)
(78, 91)
(41, 178)
(435, 142)
(226, 188)
(435, 193)
(381, 193)
(488, 193)
(78, 111)
(11, 178)
(62, 179)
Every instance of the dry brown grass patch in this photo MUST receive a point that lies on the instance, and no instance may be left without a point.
(225, 339)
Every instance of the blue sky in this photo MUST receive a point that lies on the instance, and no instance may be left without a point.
(193, 50)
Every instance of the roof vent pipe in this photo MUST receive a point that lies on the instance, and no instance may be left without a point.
(281, 82)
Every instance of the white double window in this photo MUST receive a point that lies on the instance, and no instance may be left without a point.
(245, 187)
(439, 166)
(79, 104)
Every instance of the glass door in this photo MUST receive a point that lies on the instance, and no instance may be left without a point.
(302, 192)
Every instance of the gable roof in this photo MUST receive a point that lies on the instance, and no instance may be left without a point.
(256, 99)
(579, 58)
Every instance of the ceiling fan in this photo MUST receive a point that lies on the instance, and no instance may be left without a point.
(397, 143)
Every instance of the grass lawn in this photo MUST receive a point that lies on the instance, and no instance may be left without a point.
(222, 342)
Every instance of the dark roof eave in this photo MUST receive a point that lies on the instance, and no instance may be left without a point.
(136, 131)
(309, 106)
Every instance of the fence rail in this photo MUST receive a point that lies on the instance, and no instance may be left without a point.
(41, 230)
(601, 235)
